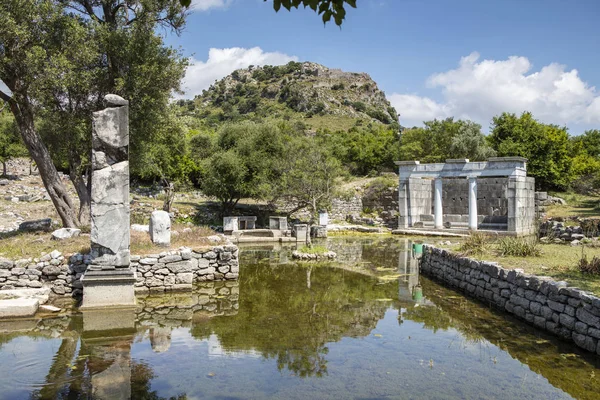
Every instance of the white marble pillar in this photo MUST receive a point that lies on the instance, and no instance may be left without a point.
(437, 205)
(403, 219)
(473, 204)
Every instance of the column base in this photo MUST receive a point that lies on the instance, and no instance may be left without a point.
(108, 288)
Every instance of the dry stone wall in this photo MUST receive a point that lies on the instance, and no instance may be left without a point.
(569, 313)
(170, 270)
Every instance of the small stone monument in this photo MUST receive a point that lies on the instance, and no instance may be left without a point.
(160, 228)
(301, 232)
(108, 280)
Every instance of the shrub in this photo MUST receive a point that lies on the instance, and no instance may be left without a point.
(476, 243)
(519, 247)
(589, 267)
(338, 86)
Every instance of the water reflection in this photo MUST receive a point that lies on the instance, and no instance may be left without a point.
(365, 326)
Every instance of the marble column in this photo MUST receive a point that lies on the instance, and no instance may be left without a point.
(437, 205)
(403, 218)
(109, 280)
(473, 204)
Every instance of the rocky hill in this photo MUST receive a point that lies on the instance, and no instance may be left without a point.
(307, 92)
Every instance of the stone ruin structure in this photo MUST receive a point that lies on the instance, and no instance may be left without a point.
(494, 195)
(109, 280)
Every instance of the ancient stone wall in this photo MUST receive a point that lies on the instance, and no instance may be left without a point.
(569, 313)
(172, 270)
(491, 196)
(341, 209)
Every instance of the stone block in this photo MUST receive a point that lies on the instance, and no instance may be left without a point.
(160, 228)
(180, 266)
(20, 307)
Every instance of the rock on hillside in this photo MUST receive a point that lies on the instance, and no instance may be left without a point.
(293, 91)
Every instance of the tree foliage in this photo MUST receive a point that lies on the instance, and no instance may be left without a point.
(546, 147)
(363, 150)
(440, 140)
(265, 161)
(59, 59)
(326, 8)
(11, 144)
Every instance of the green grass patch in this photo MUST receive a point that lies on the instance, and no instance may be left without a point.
(476, 243)
(559, 261)
(519, 246)
(578, 205)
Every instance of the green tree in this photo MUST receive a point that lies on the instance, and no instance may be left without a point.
(32, 36)
(247, 160)
(325, 8)
(470, 143)
(58, 66)
(443, 139)
(10, 142)
(364, 150)
(585, 167)
(546, 147)
(309, 176)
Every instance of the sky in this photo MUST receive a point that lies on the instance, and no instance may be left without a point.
(469, 59)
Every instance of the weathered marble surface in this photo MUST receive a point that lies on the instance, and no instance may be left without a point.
(160, 228)
(110, 186)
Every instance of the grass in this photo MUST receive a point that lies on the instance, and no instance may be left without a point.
(558, 261)
(519, 246)
(476, 243)
(578, 205)
(34, 245)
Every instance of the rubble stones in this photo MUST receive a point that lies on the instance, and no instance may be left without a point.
(173, 270)
(37, 225)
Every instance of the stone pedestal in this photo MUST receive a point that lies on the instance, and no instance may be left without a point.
(104, 288)
(278, 223)
(301, 232)
(108, 280)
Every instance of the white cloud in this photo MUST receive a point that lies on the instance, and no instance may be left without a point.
(221, 62)
(205, 5)
(480, 89)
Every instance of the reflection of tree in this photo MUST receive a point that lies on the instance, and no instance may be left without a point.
(141, 375)
(284, 319)
(79, 362)
(542, 353)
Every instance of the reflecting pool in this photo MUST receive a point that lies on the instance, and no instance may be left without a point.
(366, 326)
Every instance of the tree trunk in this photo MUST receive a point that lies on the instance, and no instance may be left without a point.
(169, 190)
(4, 168)
(82, 186)
(39, 152)
(83, 192)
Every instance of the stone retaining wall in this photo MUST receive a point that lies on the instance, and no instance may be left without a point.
(170, 270)
(569, 313)
(342, 208)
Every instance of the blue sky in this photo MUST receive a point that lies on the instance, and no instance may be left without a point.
(433, 58)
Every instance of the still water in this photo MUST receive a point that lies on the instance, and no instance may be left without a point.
(365, 327)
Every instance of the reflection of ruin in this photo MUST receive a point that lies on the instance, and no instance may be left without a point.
(290, 314)
(94, 357)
